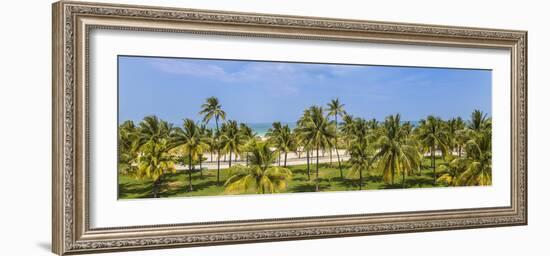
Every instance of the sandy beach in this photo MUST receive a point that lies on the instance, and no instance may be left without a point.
(292, 159)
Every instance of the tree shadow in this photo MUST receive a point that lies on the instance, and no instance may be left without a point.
(309, 187)
(142, 190)
(184, 188)
(419, 181)
(374, 179)
(396, 185)
(349, 183)
(299, 178)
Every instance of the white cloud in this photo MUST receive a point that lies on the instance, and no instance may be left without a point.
(187, 68)
(278, 78)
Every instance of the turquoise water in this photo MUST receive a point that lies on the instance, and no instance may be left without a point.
(261, 128)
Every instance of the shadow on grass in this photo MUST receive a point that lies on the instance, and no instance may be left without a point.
(184, 188)
(413, 181)
(137, 190)
(349, 184)
(419, 181)
(310, 186)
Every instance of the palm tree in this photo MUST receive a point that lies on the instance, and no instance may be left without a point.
(213, 109)
(479, 121)
(273, 133)
(151, 128)
(232, 140)
(127, 147)
(318, 130)
(249, 136)
(154, 162)
(397, 152)
(454, 128)
(347, 129)
(451, 170)
(478, 155)
(335, 109)
(361, 151)
(286, 142)
(260, 176)
(190, 142)
(432, 134)
(206, 137)
(303, 141)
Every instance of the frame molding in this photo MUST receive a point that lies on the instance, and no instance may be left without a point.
(72, 22)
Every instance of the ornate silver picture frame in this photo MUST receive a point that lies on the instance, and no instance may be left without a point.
(72, 24)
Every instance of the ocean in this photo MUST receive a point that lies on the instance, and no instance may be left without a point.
(261, 128)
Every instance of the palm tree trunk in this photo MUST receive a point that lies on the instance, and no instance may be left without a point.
(338, 157)
(330, 156)
(433, 163)
(285, 159)
(200, 165)
(361, 179)
(156, 185)
(279, 158)
(230, 151)
(420, 165)
(211, 157)
(190, 170)
(218, 175)
(403, 182)
(317, 171)
(336, 147)
(392, 171)
(217, 153)
(246, 158)
(308, 169)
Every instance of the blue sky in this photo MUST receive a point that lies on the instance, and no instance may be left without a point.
(258, 92)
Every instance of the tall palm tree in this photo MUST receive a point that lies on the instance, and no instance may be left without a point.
(478, 155)
(454, 127)
(303, 141)
(432, 134)
(461, 138)
(213, 109)
(479, 121)
(260, 176)
(361, 151)
(154, 162)
(335, 109)
(249, 136)
(397, 154)
(232, 140)
(151, 128)
(127, 147)
(190, 142)
(347, 129)
(206, 137)
(286, 142)
(318, 130)
(272, 134)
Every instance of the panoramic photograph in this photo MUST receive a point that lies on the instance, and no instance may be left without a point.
(212, 127)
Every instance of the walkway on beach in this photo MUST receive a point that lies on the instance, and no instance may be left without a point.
(292, 159)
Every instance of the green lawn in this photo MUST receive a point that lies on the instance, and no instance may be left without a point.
(176, 185)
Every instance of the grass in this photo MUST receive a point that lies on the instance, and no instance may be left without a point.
(177, 185)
